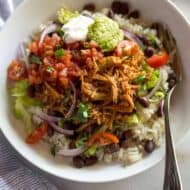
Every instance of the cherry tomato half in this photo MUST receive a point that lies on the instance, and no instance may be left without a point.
(158, 60)
(37, 135)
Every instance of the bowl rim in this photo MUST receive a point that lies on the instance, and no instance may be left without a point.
(23, 158)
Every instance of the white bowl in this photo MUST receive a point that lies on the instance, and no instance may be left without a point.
(22, 23)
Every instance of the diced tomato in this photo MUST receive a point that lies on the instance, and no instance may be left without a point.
(48, 73)
(66, 59)
(17, 71)
(126, 48)
(33, 47)
(64, 81)
(34, 79)
(158, 60)
(37, 135)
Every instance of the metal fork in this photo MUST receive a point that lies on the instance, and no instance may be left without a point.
(172, 179)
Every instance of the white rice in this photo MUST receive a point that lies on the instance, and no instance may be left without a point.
(166, 70)
(59, 140)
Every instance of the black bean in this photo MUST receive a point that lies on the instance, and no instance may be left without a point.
(89, 7)
(112, 148)
(91, 161)
(172, 76)
(72, 137)
(119, 134)
(155, 25)
(149, 146)
(160, 111)
(69, 126)
(149, 51)
(50, 131)
(125, 144)
(127, 134)
(56, 113)
(78, 162)
(39, 88)
(31, 91)
(143, 101)
(145, 40)
(119, 7)
(110, 13)
(72, 144)
(134, 110)
(89, 129)
(134, 14)
(76, 56)
(171, 83)
(109, 53)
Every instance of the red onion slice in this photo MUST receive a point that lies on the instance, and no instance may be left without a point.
(72, 108)
(133, 37)
(51, 28)
(61, 130)
(71, 152)
(160, 111)
(44, 116)
(20, 54)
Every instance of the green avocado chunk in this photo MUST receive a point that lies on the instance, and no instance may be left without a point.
(106, 33)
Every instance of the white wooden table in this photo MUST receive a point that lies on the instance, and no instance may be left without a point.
(151, 179)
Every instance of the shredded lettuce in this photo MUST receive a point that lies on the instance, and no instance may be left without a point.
(154, 40)
(160, 94)
(20, 88)
(91, 151)
(153, 80)
(142, 90)
(65, 15)
(22, 113)
(133, 119)
(22, 102)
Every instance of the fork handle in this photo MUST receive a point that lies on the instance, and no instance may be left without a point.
(172, 179)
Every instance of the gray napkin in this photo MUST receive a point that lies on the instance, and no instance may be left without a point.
(13, 174)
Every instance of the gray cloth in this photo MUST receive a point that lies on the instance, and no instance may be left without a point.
(13, 174)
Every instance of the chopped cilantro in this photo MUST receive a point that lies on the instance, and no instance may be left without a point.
(35, 60)
(139, 80)
(81, 141)
(153, 80)
(59, 53)
(50, 69)
(60, 32)
(83, 113)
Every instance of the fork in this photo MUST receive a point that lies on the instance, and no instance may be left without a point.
(172, 179)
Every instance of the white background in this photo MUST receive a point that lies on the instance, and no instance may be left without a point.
(151, 179)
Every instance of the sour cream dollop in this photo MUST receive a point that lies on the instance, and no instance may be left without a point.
(77, 29)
